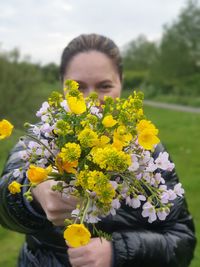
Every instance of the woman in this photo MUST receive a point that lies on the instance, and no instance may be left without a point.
(94, 61)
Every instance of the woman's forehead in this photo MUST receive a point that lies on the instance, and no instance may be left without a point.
(91, 66)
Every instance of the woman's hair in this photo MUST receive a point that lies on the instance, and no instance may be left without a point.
(91, 42)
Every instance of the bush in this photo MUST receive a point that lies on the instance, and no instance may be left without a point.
(133, 79)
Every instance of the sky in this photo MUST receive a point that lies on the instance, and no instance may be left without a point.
(42, 28)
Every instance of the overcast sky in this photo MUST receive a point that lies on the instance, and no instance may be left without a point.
(42, 28)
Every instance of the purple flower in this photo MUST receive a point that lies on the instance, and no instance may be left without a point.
(151, 166)
(65, 105)
(46, 128)
(18, 173)
(23, 155)
(163, 162)
(178, 190)
(159, 179)
(149, 211)
(114, 184)
(135, 165)
(162, 213)
(95, 111)
(115, 205)
(92, 219)
(43, 109)
(135, 202)
(164, 197)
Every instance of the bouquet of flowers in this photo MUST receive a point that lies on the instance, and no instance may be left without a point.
(100, 153)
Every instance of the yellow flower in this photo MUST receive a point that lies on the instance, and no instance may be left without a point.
(121, 137)
(71, 85)
(66, 166)
(77, 235)
(87, 137)
(144, 124)
(5, 129)
(14, 187)
(70, 152)
(102, 141)
(108, 121)
(88, 179)
(37, 174)
(76, 104)
(110, 158)
(105, 193)
(140, 112)
(147, 139)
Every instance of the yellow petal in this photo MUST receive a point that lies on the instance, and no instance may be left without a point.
(77, 235)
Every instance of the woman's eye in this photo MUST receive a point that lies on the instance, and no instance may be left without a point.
(106, 86)
(82, 89)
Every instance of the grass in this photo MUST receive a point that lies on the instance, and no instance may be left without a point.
(10, 241)
(179, 132)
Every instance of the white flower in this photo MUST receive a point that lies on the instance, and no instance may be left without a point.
(115, 205)
(135, 165)
(172, 194)
(23, 155)
(43, 109)
(92, 219)
(162, 214)
(164, 197)
(151, 167)
(114, 184)
(75, 213)
(42, 162)
(35, 148)
(149, 211)
(128, 201)
(46, 129)
(124, 191)
(159, 179)
(167, 195)
(178, 190)
(163, 162)
(95, 111)
(65, 105)
(136, 201)
(145, 158)
(36, 131)
(17, 173)
(45, 118)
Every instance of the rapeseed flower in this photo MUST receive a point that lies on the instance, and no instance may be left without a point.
(87, 137)
(70, 152)
(111, 159)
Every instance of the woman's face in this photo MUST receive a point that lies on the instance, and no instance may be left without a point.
(94, 71)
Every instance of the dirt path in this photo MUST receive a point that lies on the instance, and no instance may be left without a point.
(172, 106)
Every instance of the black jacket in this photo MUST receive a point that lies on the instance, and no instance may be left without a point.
(136, 243)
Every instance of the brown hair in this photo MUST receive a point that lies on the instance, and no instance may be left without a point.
(89, 42)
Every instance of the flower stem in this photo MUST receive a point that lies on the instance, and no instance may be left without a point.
(85, 210)
(38, 141)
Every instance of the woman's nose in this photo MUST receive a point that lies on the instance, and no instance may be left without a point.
(88, 90)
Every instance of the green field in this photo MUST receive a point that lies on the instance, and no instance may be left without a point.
(179, 131)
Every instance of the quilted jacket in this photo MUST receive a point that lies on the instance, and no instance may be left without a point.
(135, 242)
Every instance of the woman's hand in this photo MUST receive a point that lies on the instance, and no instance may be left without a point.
(57, 206)
(95, 254)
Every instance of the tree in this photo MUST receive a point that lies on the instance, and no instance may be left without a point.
(178, 62)
(139, 54)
